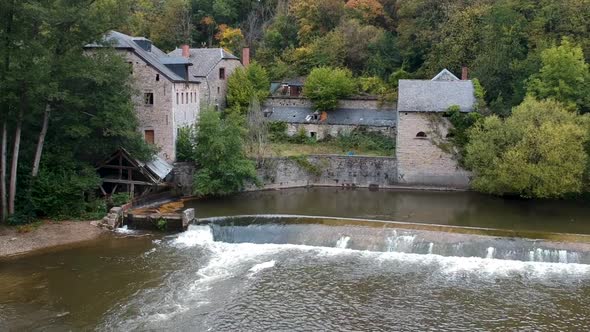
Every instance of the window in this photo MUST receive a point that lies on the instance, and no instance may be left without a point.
(450, 135)
(130, 67)
(421, 135)
(149, 136)
(218, 89)
(177, 98)
(221, 73)
(313, 134)
(191, 97)
(157, 77)
(148, 98)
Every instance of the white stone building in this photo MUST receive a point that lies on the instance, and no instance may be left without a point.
(211, 67)
(422, 127)
(167, 98)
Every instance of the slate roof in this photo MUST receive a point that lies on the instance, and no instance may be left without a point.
(155, 58)
(204, 59)
(363, 117)
(435, 95)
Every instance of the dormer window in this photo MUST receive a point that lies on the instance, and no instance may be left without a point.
(221, 73)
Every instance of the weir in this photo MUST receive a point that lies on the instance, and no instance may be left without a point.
(379, 236)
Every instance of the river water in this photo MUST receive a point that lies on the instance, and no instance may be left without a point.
(285, 273)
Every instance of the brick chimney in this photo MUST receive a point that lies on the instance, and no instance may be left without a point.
(185, 50)
(464, 74)
(245, 56)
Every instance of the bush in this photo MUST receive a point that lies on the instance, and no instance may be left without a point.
(325, 86)
(277, 131)
(361, 139)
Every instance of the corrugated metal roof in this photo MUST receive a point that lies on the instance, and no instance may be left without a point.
(434, 96)
(204, 59)
(363, 117)
(153, 58)
(159, 167)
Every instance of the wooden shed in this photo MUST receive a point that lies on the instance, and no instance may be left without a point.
(123, 173)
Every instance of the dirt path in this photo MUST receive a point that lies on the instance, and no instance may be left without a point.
(49, 234)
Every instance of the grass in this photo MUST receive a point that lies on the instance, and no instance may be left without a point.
(330, 147)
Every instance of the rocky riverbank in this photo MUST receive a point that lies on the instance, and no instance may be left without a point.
(47, 235)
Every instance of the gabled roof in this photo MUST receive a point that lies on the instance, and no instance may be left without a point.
(445, 75)
(155, 57)
(343, 116)
(204, 59)
(435, 95)
(154, 170)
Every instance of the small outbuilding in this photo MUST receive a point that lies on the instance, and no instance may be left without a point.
(123, 173)
(422, 127)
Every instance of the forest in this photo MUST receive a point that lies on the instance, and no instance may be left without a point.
(61, 111)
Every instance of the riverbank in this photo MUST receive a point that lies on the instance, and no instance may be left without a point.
(48, 235)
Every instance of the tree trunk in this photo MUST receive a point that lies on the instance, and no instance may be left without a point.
(15, 152)
(41, 141)
(4, 211)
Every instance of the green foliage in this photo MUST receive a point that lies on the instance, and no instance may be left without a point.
(277, 131)
(185, 144)
(361, 139)
(63, 192)
(459, 133)
(162, 224)
(325, 86)
(564, 76)
(223, 167)
(372, 85)
(397, 75)
(480, 95)
(307, 165)
(245, 84)
(119, 199)
(537, 152)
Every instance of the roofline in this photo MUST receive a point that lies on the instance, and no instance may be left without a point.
(144, 60)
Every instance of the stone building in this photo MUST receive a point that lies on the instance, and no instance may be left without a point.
(167, 96)
(423, 130)
(298, 113)
(211, 67)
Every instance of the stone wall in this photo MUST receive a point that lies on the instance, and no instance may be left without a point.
(182, 177)
(352, 103)
(320, 170)
(328, 170)
(420, 160)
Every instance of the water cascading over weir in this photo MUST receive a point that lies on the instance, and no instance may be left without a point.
(394, 237)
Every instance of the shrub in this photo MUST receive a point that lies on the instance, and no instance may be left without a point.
(361, 139)
(325, 86)
(277, 131)
(185, 144)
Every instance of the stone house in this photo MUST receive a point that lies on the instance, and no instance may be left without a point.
(423, 130)
(167, 97)
(298, 113)
(211, 67)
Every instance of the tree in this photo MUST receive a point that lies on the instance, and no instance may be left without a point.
(325, 86)
(537, 152)
(564, 76)
(230, 39)
(245, 84)
(223, 167)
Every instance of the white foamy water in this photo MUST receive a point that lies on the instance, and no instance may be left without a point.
(342, 243)
(227, 256)
(124, 230)
(262, 266)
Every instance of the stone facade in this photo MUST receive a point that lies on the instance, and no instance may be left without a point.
(175, 105)
(421, 160)
(214, 88)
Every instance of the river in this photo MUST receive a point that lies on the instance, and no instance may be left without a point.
(273, 273)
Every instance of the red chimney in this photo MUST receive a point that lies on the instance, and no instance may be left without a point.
(246, 56)
(185, 50)
(464, 73)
